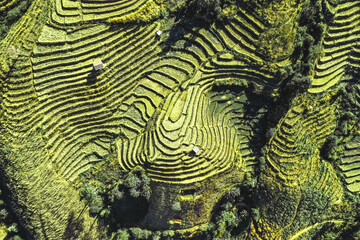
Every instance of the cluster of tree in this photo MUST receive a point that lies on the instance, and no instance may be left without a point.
(307, 48)
(130, 198)
(139, 233)
(231, 218)
(315, 207)
(348, 121)
(9, 17)
(208, 11)
(124, 205)
(8, 222)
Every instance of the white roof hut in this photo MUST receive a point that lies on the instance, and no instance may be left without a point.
(98, 65)
(195, 150)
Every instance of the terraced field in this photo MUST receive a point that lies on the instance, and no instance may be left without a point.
(350, 166)
(187, 102)
(6, 4)
(292, 152)
(152, 105)
(81, 111)
(340, 46)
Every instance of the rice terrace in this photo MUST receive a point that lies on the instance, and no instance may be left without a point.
(179, 119)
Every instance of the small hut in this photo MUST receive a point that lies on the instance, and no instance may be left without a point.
(195, 150)
(98, 65)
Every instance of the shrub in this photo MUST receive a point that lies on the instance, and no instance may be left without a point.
(16, 237)
(168, 233)
(13, 228)
(13, 15)
(93, 198)
(299, 83)
(3, 214)
(156, 235)
(232, 218)
(132, 181)
(122, 234)
(176, 206)
(139, 233)
(116, 194)
(262, 163)
(128, 201)
(255, 214)
(134, 193)
(328, 147)
(138, 184)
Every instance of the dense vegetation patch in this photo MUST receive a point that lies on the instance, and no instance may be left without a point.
(10, 15)
(9, 224)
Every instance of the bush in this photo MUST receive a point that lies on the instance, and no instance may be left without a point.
(116, 194)
(156, 235)
(176, 206)
(299, 83)
(138, 184)
(168, 233)
(328, 147)
(13, 15)
(132, 181)
(232, 218)
(122, 234)
(3, 214)
(128, 200)
(16, 237)
(208, 11)
(13, 228)
(262, 163)
(93, 198)
(139, 233)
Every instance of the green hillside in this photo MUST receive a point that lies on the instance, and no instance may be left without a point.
(179, 119)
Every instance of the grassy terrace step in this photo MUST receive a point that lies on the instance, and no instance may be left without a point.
(6, 4)
(100, 100)
(111, 6)
(343, 35)
(227, 65)
(158, 102)
(350, 165)
(75, 114)
(235, 41)
(254, 23)
(208, 47)
(247, 27)
(288, 149)
(183, 124)
(352, 145)
(70, 13)
(23, 64)
(342, 40)
(16, 104)
(35, 175)
(195, 51)
(330, 60)
(106, 126)
(86, 67)
(347, 8)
